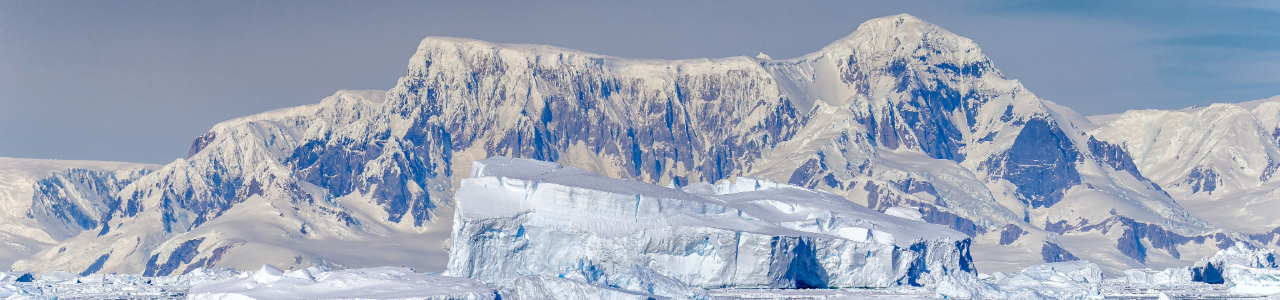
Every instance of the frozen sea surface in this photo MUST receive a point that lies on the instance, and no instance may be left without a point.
(137, 287)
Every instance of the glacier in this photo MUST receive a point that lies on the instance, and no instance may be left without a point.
(518, 218)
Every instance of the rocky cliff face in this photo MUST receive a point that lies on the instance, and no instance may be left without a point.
(899, 114)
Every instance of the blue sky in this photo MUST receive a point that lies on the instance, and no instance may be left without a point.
(138, 80)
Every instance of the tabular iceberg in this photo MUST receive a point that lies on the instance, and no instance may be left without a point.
(525, 225)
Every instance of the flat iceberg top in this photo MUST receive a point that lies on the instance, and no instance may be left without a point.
(549, 172)
(781, 203)
(744, 204)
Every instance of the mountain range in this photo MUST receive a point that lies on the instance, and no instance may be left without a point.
(901, 114)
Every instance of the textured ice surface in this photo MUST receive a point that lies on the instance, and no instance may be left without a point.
(518, 217)
(1244, 255)
(1063, 280)
(1168, 276)
(63, 285)
(367, 283)
(1247, 280)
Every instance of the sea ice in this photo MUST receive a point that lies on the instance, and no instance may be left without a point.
(367, 283)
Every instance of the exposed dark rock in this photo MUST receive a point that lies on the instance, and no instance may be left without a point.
(1062, 226)
(1266, 237)
(1041, 163)
(1269, 170)
(1130, 244)
(1114, 156)
(106, 228)
(1008, 114)
(1202, 179)
(218, 253)
(883, 197)
(936, 215)
(97, 265)
(1052, 253)
(1010, 234)
(804, 175)
(1120, 160)
(79, 199)
(200, 142)
(830, 181)
(195, 265)
(987, 138)
(183, 254)
(1130, 241)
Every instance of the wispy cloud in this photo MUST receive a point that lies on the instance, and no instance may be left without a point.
(1254, 42)
(1203, 51)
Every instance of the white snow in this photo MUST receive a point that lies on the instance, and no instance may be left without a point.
(909, 214)
(20, 236)
(1168, 276)
(1063, 280)
(1252, 281)
(368, 283)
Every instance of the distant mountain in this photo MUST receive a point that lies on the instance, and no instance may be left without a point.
(901, 113)
(43, 202)
(1218, 161)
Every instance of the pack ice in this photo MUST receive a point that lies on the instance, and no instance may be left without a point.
(365, 283)
(529, 228)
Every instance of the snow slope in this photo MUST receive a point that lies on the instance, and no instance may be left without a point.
(235, 203)
(42, 202)
(366, 283)
(1218, 161)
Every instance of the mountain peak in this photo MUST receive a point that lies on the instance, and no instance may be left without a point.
(904, 35)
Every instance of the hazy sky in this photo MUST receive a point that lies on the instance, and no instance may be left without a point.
(137, 81)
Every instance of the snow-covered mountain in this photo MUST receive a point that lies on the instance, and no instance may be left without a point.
(900, 114)
(43, 202)
(235, 202)
(1218, 161)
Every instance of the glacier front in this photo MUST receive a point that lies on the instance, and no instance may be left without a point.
(523, 223)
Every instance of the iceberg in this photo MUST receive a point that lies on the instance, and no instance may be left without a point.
(525, 226)
(1211, 269)
(1061, 280)
(1170, 276)
(1252, 281)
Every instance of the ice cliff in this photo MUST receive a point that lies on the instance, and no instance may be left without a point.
(521, 224)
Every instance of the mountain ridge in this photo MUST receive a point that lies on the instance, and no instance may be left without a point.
(899, 114)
